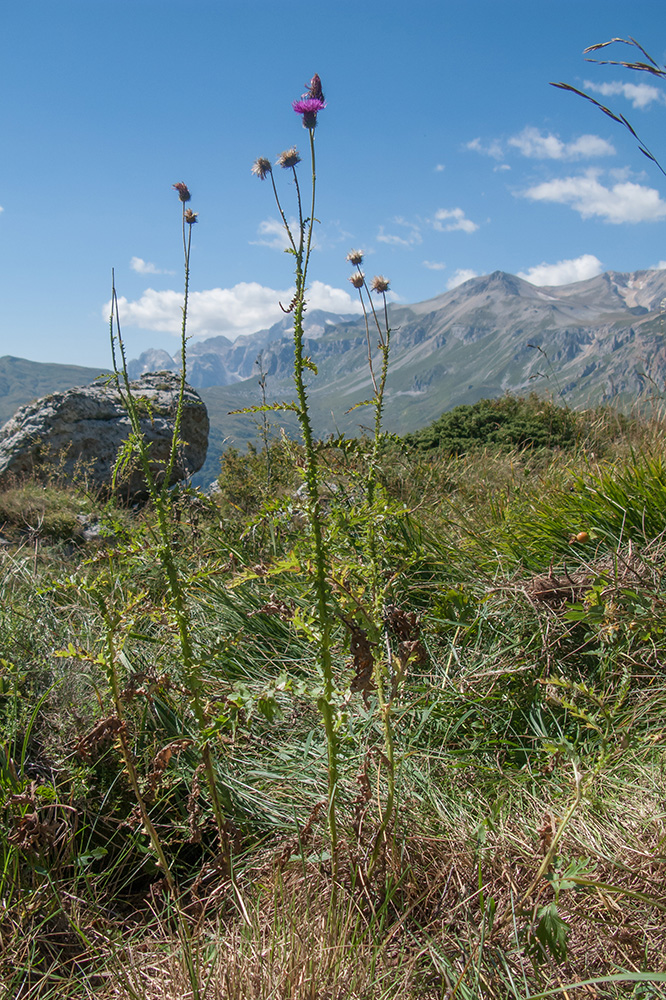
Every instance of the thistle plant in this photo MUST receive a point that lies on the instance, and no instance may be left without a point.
(158, 485)
(300, 247)
(384, 678)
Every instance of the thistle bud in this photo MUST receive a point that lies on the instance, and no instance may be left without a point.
(190, 217)
(183, 191)
(357, 279)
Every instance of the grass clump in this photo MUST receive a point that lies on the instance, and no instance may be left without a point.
(31, 509)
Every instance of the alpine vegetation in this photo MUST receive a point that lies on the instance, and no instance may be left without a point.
(379, 717)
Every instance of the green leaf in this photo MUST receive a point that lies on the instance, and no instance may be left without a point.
(552, 932)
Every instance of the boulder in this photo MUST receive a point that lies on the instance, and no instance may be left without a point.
(82, 430)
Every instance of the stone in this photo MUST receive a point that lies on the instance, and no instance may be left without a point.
(80, 432)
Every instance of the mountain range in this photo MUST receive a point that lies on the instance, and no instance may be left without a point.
(584, 343)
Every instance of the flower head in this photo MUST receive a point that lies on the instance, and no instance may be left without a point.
(183, 191)
(261, 167)
(310, 103)
(357, 279)
(308, 107)
(191, 217)
(380, 283)
(289, 158)
(355, 257)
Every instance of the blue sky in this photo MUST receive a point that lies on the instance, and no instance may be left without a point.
(443, 152)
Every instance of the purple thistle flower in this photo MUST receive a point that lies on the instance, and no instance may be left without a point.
(310, 103)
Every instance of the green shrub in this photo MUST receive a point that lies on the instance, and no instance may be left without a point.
(509, 422)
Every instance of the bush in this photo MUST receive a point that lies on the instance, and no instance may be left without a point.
(509, 422)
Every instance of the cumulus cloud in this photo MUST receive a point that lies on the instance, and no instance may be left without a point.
(544, 146)
(641, 95)
(564, 272)
(492, 148)
(145, 267)
(448, 220)
(537, 145)
(244, 308)
(661, 266)
(273, 234)
(623, 202)
(434, 265)
(439, 168)
(461, 275)
(411, 234)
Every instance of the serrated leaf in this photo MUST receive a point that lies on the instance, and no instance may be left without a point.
(366, 402)
(264, 407)
(552, 932)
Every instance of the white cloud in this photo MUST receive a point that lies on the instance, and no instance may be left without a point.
(448, 220)
(145, 267)
(1, 208)
(461, 275)
(411, 238)
(245, 308)
(564, 272)
(492, 149)
(439, 168)
(641, 95)
(661, 266)
(434, 265)
(536, 145)
(623, 202)
(273, 234)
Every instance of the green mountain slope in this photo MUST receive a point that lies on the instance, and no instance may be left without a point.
(22, 381)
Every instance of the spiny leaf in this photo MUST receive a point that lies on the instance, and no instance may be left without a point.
(264, 407)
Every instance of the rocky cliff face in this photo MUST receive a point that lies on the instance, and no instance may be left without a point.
(81, 431)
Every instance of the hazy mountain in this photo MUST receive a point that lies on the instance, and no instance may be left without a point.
(22, 381)
(594, 340)
(219, 361)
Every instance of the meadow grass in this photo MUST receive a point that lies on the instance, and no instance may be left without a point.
(378, 719)
(534, 712)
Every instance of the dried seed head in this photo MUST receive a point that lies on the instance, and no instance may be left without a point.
(380, 283)
(261, 167)
(355, 257)
(183, 191)
(357, 279)
(190, 217)
(289, 158)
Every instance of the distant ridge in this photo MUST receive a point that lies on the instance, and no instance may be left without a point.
(583, 343)
(22, 381)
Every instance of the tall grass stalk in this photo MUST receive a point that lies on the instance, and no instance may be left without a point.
(383, 667)
(161, 500)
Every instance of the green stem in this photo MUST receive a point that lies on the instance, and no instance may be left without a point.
(326, 703)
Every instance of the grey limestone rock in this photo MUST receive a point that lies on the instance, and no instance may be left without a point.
(84, 428)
